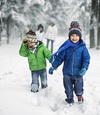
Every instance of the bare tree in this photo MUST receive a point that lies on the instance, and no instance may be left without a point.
(95, 24)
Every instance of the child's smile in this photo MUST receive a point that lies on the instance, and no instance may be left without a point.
(74, 38)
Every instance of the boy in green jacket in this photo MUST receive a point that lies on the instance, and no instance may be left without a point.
(37, 54)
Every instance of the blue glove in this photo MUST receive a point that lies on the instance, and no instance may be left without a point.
(82, 72)
(51, 69)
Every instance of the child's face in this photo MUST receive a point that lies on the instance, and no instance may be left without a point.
(74, 38)
(40, 29)
(31, 44)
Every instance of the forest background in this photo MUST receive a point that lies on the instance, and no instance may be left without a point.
(17, 16)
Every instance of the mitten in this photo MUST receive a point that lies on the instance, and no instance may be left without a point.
(25, 41)
(51, 69)
(82, 71)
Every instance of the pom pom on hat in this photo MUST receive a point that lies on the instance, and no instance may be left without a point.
(31, 34)
(75, 29)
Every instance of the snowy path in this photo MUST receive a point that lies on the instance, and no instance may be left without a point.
(16, 98)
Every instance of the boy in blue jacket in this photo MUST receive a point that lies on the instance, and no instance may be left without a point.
(75, 58)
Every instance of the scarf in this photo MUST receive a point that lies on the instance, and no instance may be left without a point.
(64, 46)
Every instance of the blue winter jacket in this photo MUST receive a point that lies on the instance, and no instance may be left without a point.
(73, 59)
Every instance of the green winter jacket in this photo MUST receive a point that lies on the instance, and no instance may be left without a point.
(37, 61)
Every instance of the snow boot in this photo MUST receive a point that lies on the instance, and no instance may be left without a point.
(69, 101)
(80, 99)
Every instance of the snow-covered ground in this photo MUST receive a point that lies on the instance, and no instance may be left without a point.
(15, 80)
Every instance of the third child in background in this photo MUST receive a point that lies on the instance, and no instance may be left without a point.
(40, 32)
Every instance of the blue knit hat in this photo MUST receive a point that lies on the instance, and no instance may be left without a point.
(75, 29)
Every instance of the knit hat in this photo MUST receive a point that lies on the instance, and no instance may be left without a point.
(31, 36)
(75, 29)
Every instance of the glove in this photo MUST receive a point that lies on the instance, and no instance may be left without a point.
(51, 69)
(25, 41)
(82, 72)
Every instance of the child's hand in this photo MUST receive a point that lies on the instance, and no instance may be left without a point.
(51, 69)
(25, 41)
(82, 72)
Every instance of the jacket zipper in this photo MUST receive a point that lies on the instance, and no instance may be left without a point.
(73, 61)
(36, 59)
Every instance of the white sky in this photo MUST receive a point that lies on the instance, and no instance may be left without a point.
(15, 80)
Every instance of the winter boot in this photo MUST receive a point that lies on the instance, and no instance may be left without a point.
(69, 101)
(34, 88)
(80, 99)
(44, 86)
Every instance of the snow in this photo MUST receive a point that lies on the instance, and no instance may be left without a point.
(17, 99)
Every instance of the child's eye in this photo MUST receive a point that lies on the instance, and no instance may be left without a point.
(76, 34)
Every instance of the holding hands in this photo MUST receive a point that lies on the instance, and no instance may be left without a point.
(81, 72)
(51, 69)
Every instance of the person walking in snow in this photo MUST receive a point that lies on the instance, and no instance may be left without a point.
(51, 35)
(76, 59)
(37, 54)
(40, 32)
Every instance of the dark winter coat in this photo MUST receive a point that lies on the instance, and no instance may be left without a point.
(37, 60)
(74, 58)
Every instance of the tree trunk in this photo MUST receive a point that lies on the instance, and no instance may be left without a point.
(0, 35)
(98, 25)
(92, 41)
(8, 19)
(98, 38)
